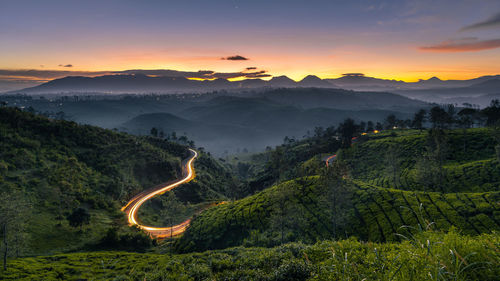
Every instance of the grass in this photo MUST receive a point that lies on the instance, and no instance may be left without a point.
(425, 256)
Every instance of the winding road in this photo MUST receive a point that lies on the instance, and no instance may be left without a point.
(135, 203)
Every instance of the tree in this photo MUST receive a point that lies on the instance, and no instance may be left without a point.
(390, 121)
(438, 117)
(15, 212)
(281, 215)
(369, 126)
(430, 167)
(465, 120)
(492, 112)
(172, 209)
(362, 126)
(393, 162)
(337, 195)
(451, 111)
(496, 135)
(466, 117)
(347, 129)
(154, 132)
(419, 119)
(79, 217)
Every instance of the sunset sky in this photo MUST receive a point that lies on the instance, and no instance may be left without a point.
(407, 40)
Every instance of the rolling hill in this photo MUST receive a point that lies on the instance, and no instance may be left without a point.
(372, 208)
(231, 123)
(57, 166)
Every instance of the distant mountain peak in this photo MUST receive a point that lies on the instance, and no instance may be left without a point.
(281, 78)
(310, 78)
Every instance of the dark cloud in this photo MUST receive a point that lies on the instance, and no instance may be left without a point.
(353, 74)
(66, 65)
(202, 74)
(237, 57)
(251, 68)
(493, 21)
(463, 45)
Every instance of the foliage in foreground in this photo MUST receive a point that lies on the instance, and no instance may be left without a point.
(426, 256)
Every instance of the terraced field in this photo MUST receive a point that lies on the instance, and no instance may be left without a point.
(375, 214)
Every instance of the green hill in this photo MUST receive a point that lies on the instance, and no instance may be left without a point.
(373, 214)
(370, 206)
(54, 167)
(464, 161)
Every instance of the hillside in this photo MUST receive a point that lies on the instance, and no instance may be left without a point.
(467, 158)
(230, 123)
(58, 166)
(342, 99)
(366, 205)
(226, 122)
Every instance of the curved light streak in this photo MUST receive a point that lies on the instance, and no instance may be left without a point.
(135, 203)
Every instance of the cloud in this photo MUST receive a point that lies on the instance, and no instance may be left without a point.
(202, 74)
(255, 74)
(463, 45)
(66, 65)
(237, 57)
(251, 68)
(493, 21)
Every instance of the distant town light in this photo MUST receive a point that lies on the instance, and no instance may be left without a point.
(375, 131)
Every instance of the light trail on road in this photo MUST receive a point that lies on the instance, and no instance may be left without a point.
(132, 207)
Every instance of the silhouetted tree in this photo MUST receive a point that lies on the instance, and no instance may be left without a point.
(492, 113)
(347, 129)
(369, 126)
(418, 119)
(465, 120)
(362, 126)
(438, 117)
(154, 132)
(79, 217)
(390, 121)
(466, 117)
(451, 111)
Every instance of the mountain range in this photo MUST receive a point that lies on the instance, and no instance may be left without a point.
(142, 83)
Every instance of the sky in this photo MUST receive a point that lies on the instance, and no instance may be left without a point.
(403, 40)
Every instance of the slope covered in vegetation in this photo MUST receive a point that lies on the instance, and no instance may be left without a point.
(427, 256)
(459, 160)
(362, 201)
(51, 168)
